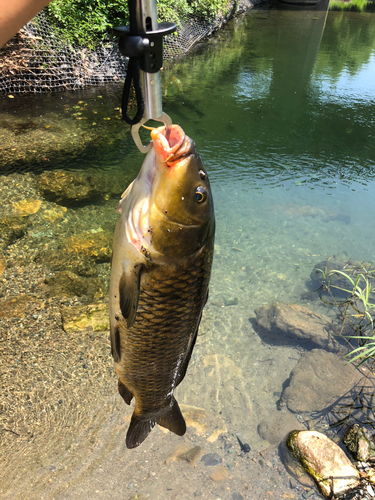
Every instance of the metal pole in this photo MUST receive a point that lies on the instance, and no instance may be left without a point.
(146, 19)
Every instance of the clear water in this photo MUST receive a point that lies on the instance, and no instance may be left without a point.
(281, 105)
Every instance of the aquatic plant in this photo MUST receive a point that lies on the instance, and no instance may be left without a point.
(358, 314)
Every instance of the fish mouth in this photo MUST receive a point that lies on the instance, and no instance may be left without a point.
(171, 144)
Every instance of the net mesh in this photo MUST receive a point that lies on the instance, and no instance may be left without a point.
(36, 59)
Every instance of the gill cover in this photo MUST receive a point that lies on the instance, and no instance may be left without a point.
(181, 205)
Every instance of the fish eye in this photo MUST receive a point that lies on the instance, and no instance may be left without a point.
(201, 194)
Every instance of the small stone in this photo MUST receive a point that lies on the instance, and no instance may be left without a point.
(231, 301)
(370, 490)
(237, 496)
(2, 264)
(219, 474)
(177, 453)
(192, 456)
(357, 443)
(277, 425)
(211, 459)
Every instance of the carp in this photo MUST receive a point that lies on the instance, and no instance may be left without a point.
(160, 272)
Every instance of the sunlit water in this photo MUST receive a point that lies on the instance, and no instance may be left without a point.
(281, 105)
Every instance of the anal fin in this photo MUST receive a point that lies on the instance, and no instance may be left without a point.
(173, 420)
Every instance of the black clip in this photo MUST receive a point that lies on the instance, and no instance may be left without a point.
(145, 52)
(148, 46)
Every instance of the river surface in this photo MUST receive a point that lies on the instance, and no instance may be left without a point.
(281, 104)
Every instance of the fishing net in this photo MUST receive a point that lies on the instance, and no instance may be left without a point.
(37, 60)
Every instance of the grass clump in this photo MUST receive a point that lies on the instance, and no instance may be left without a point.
(358, 308)
(353, 5)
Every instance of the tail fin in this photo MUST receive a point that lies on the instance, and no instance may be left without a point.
(140, 428)
(173, 420)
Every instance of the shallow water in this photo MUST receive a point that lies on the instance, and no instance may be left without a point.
(284, 122)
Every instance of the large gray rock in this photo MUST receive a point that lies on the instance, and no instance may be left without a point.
(318, 380)
(324, 461)
(298, 324)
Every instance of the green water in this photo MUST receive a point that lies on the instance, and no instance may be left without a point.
(281, 106)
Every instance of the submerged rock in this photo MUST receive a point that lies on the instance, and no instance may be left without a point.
(318, 380)
(357, 443)
(66, 283)
(17, 306)
(78, 318)
(276, 426)
(12, 228)
(211, 459)
(324, 461)
(90, 185)
(297, 323)
(79, 253)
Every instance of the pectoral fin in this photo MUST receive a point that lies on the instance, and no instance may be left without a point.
(115, 342)
(129, 293)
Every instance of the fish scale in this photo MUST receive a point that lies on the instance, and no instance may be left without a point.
(160, 338)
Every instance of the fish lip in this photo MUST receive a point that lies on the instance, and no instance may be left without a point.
(175, 146)
(171, 144)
